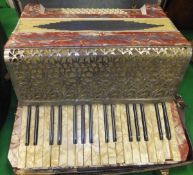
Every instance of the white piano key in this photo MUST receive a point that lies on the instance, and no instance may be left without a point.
(87, 145)
(158, 143)
(111, 144)
(22, 147)
(126, 143)
(166, 145)
(119, 142)
(55, 148)
(103, 144)
(63, 159)
(142, 143)
(79, 145)
(46, 146)
(151, 141)
(134, 143)
(38, 162)
(31, 149)
(71, 146)
(95, 145)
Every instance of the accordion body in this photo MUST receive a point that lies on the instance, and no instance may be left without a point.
(92, 83)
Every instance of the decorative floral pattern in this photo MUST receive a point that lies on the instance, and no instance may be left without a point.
(71, 74)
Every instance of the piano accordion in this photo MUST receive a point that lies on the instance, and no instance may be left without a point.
(96, 90)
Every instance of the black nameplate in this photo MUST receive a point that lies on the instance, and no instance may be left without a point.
(98, 25)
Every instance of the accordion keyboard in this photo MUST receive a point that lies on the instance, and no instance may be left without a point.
(97, 135)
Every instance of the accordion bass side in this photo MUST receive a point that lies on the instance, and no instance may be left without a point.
(96, 90)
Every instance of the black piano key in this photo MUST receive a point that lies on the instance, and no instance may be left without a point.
(158, 122)
(74, 125)
(90, 124)
(113, 123)
(144, 122)
(106, 126)
(36, 125)
(51, 135)
(83, 124)
(130, 135)
(59, 140)
(27, 136)
(136, 122)
(167, 125)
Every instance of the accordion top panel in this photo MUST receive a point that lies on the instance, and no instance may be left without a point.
(94, 3)
(34, 11)
(94, 27)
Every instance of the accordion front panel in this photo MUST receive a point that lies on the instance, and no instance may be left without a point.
(97, 135)
(95, 54)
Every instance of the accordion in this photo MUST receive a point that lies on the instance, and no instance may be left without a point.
(96, 90)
